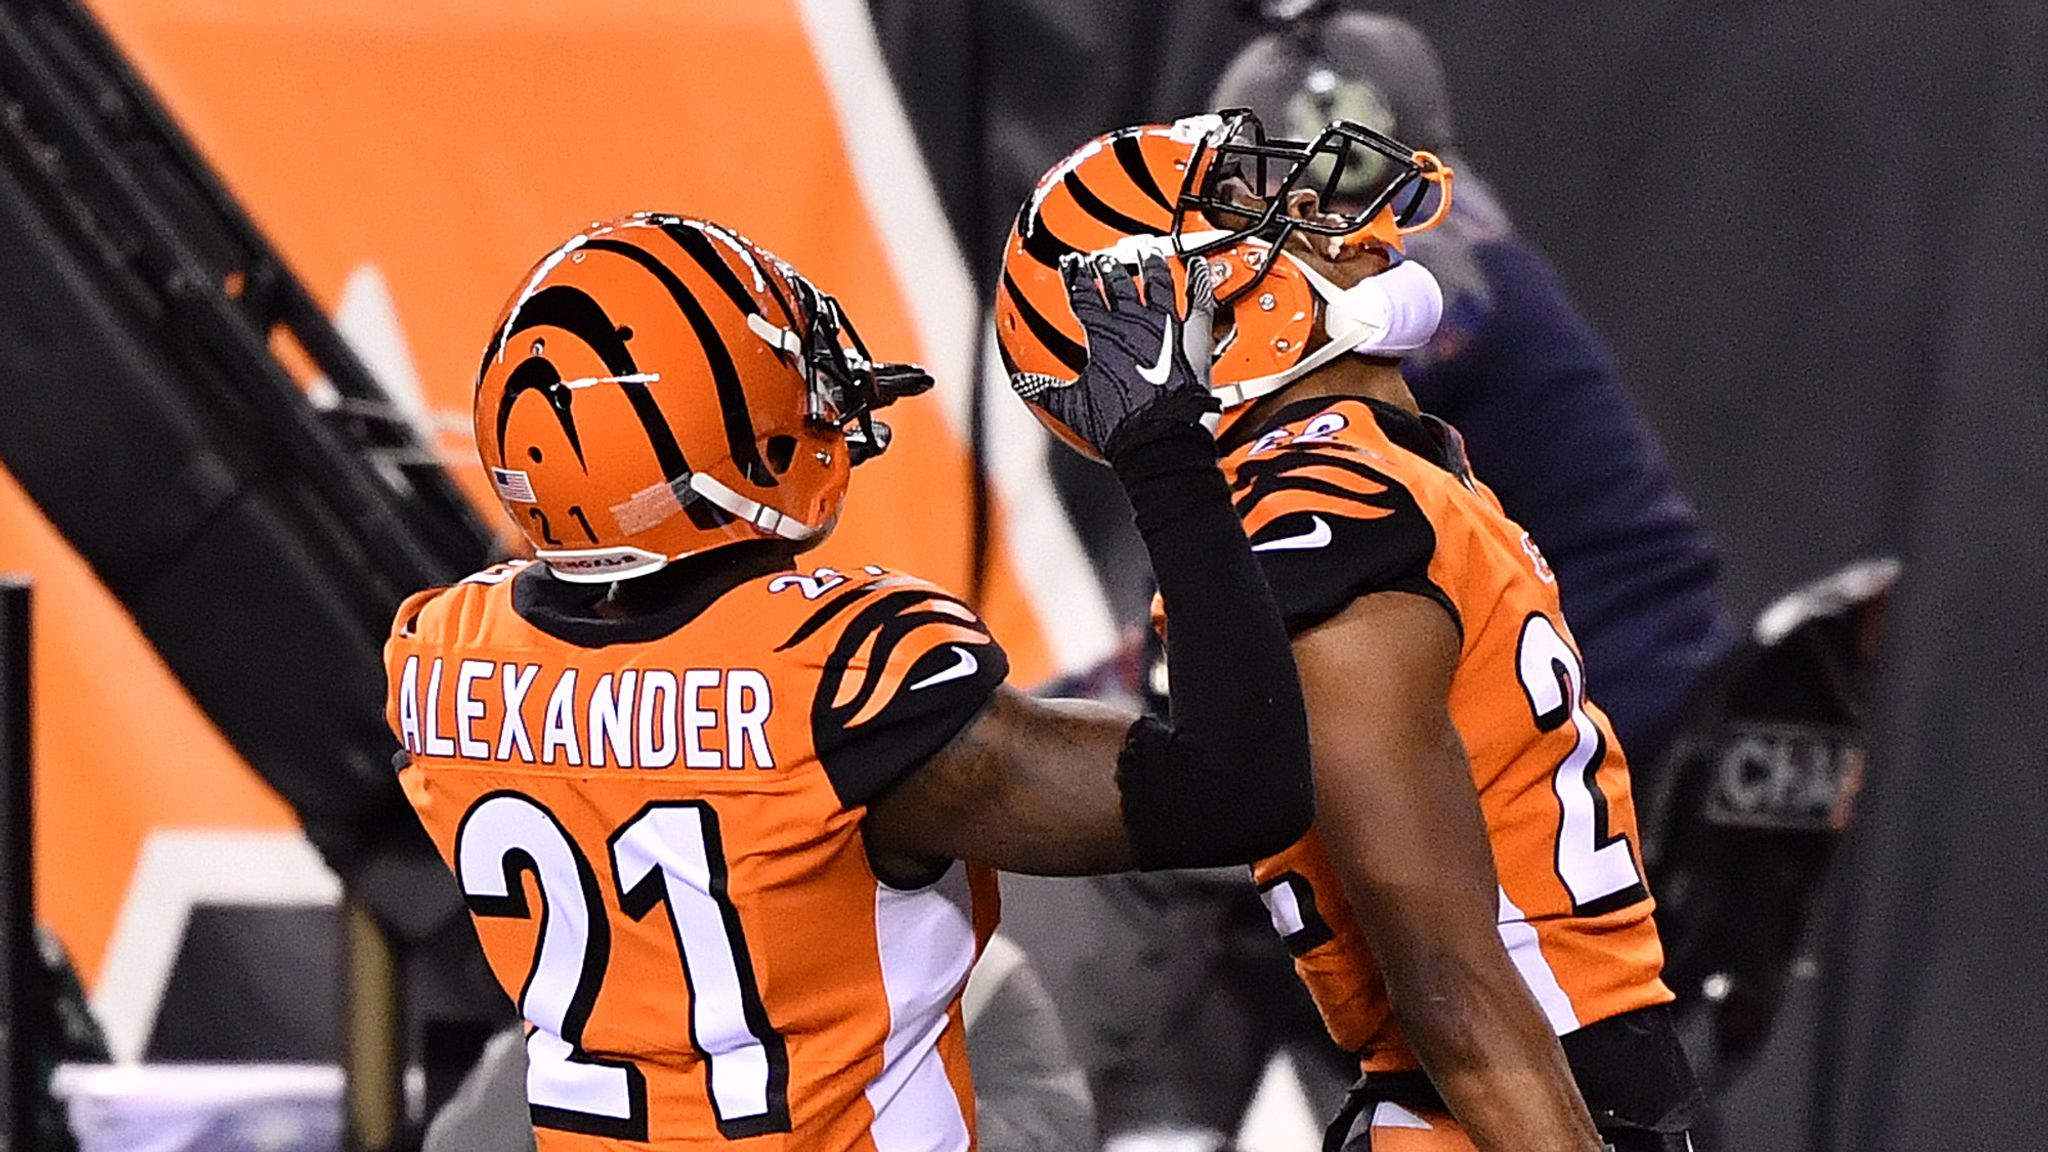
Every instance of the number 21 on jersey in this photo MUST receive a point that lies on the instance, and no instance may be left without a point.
(1597, 867)
(667, 856)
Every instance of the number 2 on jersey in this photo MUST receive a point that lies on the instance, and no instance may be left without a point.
(668, 855)
(1597, 867)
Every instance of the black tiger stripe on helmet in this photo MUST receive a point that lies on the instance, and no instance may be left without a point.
(716, 355)
(725, 377)
(574, 311)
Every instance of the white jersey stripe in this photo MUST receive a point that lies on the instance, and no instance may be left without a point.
(1066, 599)
(1387, 1114)
(926, 942)
(1526, 950)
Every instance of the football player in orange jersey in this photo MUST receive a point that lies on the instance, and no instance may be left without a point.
(1498, 901)
(710, 812)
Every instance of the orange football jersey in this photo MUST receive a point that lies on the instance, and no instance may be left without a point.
(656, 824)
(1345, 497)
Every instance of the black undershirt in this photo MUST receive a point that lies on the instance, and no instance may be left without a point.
(645, 608)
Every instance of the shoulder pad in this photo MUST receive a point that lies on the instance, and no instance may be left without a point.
(1330, 524)
(904, 666)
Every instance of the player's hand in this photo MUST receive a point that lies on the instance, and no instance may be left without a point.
(1148, 351)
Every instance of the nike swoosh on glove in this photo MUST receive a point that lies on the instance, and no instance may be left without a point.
(1148, 357)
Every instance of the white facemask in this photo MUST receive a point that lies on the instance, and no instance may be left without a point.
(1389, 314)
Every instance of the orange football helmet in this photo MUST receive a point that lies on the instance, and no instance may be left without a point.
(1214, 187)
(660, 386)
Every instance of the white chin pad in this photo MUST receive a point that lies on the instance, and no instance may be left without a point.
(1394, 312)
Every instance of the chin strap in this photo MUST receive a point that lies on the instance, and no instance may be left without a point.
(606, 565)
(752, 511)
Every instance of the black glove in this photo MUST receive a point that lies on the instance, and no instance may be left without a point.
(1148, 361)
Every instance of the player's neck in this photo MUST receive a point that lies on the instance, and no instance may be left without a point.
(702, 578)
(1373, 378)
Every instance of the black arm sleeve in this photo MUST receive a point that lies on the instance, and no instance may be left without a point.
(1226, 780)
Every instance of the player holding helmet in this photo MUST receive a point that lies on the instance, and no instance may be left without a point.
(1498, 902)
(710, 812)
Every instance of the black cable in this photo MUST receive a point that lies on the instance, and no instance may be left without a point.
(975, 240)
(21, 1046)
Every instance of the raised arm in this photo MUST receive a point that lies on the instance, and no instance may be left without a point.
(1067, 787)
(1403, 826)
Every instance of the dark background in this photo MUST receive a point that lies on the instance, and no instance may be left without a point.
(1814, 234)
(1812, 231)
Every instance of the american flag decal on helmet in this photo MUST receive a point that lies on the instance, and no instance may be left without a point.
(513, 485)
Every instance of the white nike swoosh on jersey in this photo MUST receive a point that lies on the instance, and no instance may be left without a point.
(1315, 537)
(966, 665)
(1156, 374)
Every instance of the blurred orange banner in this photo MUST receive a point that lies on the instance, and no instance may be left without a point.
(411, 158)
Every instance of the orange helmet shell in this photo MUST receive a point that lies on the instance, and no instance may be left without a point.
(643, 399)
(1110, 189)
(1270, 326)
(1113, 188)
(1136, 182)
